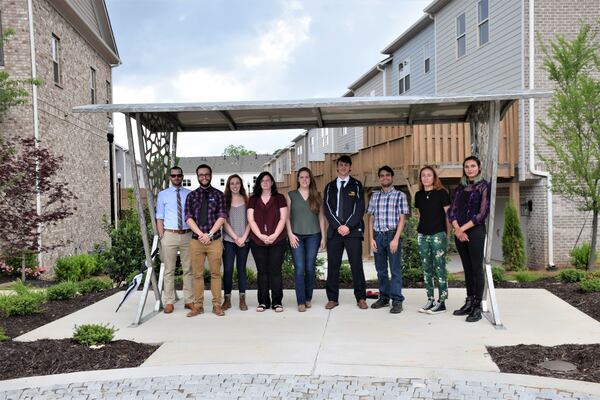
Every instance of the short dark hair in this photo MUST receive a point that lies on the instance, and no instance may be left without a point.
(345, 159)
(386, 168)
(177, 167)
(204, 166)
(257, 190)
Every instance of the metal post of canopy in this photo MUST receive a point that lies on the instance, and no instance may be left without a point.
(150, 279)
(492, 313)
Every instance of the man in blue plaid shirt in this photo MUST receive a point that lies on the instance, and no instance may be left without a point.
(388, 209)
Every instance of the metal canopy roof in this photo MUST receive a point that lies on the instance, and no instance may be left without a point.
(317, 113)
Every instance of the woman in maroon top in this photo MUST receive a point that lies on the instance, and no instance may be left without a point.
(267, 214)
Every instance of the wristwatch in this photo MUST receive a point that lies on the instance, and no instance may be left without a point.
(210, 235)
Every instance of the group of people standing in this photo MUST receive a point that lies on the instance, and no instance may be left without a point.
(224, 227)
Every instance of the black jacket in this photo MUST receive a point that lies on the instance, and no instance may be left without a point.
(353, 196)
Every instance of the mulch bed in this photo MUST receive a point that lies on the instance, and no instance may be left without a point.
(524, 359)
(19, 324)
(47, 357)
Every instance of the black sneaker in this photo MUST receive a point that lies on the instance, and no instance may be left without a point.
(396, 307)
(381, 303)
(430, 303)
(439, 308)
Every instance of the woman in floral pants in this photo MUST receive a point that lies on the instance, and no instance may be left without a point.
(432, 201)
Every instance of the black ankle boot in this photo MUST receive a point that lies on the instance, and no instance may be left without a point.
(466, 308)
(475, 314)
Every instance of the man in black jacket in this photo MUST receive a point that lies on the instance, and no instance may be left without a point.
(344, 206)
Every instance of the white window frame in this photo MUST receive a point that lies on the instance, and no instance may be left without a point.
(404, 76)
(312, 144)
(461, 35)
(483, 23)
(93, 87)
(344, 131)
(427, 58)
(55, 55)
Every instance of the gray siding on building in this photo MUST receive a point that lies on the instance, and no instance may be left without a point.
(86, 9)
(421, 83)
(494, 66)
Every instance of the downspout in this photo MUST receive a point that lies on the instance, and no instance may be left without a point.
(384, 78)
(36, 126)
(532, 168)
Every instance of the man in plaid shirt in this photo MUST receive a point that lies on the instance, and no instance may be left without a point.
(388, 209)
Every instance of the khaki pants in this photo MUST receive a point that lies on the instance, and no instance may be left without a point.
(198, 254)
(169, 245)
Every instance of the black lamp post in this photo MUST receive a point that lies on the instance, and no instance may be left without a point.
(111, 137)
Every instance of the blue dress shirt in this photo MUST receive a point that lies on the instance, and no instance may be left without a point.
(166, 207)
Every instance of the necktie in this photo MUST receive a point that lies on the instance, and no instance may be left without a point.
(179, 211)
(204, 209)
(341, 201)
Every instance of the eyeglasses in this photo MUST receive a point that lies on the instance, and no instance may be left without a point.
(176, 175)
(204, 175)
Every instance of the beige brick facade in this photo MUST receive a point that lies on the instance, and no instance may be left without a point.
(79, 138)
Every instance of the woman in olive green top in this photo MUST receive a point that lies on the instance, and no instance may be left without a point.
(306, 232)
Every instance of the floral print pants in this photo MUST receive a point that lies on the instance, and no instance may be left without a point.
(432, 249)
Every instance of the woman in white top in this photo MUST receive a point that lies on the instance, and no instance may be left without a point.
(235, 238)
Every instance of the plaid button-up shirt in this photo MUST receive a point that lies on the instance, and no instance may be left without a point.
(216, 208)
(386, 208)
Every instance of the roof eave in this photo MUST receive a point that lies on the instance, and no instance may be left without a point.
(408, 34)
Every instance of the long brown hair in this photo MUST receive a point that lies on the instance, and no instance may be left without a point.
(314, 197)
(229, 195)
(437, 183)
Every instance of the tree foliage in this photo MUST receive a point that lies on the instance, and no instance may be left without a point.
(233, 150)
(572, 130)
(513, 242)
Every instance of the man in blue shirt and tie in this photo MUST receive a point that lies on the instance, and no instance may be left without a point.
(175, 236)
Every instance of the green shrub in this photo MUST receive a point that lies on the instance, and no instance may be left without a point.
(580, 256)
(412, 275)
(590, 285)
(250, 275)
(455, 278)
(345, 272)
(593, 274)
(287, 268)
(526, 276)
(3, 336)
(513, 243)
(63, 291)
(24, 302)
(94, 285)
(498, 275)
(411, 259)
(571, 275)
(93, 334)
(75, 268)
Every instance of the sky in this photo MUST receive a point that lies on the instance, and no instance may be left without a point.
(236, 50)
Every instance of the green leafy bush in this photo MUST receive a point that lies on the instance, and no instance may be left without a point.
(498, 275)
(571, 275)
(3, 336)
(593, 274)
(63, 291)
(287, 268)
(94, 285)
(24, 302)
(93, 334)
(345, 272)
(411, 259)
(513, 242)
(580, 255)
(412, 275)
(455, 278)
(75, 268)
(590, 285)
(526, 276)
(250, 275)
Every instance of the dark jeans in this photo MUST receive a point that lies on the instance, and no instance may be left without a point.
(305, 256)
(471, 255)
(384, 256)
(269, 260)
(233, 253)
(335, 249)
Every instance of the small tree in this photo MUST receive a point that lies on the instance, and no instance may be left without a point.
(573, 127)
(513, 243)
(233, 150)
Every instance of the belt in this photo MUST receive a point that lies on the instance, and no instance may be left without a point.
(179, 231)
(388, 231)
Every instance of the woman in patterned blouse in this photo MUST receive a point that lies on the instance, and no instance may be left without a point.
(467, 213)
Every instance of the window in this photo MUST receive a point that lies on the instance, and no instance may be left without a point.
(344, 131)
(108, 92)
(93, 85)
(299, 151)
(483, 21)
(1, 44)
(222, 181)
(427, 58)
(254, 179)
(56, 59)
(461, 36)
(187, 182)
(312, 144)
(404, 77)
